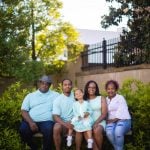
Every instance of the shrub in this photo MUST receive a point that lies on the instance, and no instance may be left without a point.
(10, 116)
(135, 92)
(138, 99)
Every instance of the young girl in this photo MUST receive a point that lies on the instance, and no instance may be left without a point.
(82, 120)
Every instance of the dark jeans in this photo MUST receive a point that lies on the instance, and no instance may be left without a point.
(45, 127)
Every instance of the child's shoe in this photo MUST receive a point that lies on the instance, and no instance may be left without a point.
(69, 141)
(90, 144)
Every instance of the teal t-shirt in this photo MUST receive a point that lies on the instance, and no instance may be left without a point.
(39, 105)
(63, 106)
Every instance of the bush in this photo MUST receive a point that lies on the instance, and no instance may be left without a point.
(10, 116)
(135, 92)
(30, 71)
(138, 99)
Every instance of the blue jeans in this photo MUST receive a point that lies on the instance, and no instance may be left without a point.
(45, 127)
(115, 132)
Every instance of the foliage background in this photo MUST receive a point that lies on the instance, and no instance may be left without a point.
(135, 39)
(135, 92)
(34, 39)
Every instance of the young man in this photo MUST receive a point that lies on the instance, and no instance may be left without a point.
(63, 112)
(36, 112)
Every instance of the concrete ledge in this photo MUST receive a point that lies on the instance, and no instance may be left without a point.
(100, 70)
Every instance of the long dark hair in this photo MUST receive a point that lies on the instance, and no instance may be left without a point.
(86, 94)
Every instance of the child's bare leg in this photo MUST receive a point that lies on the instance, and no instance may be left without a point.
(78, 140)
(88, 134)
(89, 139)
(70, 132)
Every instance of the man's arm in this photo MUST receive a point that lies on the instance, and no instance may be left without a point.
(28, 119)
(60, 121)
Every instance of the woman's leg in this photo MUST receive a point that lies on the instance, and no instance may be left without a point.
(110, 133)
(121, 129)
(78, 140)
(98, 137)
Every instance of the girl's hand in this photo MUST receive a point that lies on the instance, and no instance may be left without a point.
(86, 114)
(79, 118)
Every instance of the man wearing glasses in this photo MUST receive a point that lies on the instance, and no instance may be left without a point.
(36, 112)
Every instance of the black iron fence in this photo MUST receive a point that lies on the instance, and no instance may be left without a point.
(108, 54)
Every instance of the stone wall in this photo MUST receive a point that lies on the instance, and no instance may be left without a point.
(79, 77)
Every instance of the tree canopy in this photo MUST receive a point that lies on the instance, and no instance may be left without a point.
(33, 30)
(138, 35)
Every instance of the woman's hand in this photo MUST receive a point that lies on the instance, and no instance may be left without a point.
(96, 124)
(109, 121)
(112, 120)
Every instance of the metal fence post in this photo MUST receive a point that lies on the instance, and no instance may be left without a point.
(104, 47)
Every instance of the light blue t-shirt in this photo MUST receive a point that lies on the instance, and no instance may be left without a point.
(63, 106)
(39, 105)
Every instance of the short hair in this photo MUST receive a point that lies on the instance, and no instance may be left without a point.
(115, 83)
(65, 80)
(86, 94)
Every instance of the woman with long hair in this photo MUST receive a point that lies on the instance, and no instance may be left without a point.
(99, 108)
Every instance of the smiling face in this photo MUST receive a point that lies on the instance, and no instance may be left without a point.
(66, 87)
(111, 90)
(44, 86)
(78, 94)
(91, 89)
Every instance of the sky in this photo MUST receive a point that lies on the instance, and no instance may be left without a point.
(86, 14)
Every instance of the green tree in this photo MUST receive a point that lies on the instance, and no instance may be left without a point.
(61, 44)
(135, 42)
(47, 36)
(14, 31)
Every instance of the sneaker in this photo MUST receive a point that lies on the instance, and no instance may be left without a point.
(90, 143)
(69, 143)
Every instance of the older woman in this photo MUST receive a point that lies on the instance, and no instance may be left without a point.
(99, 108)
(119, 120)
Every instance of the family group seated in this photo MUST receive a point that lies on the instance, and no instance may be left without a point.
(76, 114)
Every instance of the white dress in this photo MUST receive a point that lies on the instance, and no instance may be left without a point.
(80, 123)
